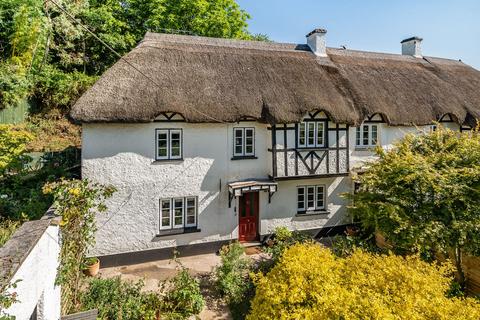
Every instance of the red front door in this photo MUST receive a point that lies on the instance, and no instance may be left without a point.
(248, 217)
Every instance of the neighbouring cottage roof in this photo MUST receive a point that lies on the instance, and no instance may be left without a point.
(18, 247)
(230, 80)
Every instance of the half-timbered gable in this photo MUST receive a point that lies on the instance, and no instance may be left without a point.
(315, 147)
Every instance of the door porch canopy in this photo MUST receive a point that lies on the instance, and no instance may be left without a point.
(238, 188)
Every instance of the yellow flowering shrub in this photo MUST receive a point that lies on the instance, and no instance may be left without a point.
(309, 282)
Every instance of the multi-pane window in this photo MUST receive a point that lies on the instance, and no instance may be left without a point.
(243, 142)
(367, 135)
(311, 134)
(311, 198)
(191, 212)
(169, 144)
(177, 213)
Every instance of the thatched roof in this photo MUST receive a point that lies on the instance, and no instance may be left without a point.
(208, 79)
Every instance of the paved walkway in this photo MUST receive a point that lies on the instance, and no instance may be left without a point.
(160, 270)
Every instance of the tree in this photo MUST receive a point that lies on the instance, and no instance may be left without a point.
(424, 194)
(13, 146)
(46, 55)
(309, 282)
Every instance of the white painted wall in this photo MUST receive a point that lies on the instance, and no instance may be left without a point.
(388, 135)
(123, 155)
(37, 280)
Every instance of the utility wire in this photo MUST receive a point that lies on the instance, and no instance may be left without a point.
(120, 56)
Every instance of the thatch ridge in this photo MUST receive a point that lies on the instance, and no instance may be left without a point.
(228, 80)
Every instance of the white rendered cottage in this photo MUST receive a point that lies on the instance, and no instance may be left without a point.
(210, 140)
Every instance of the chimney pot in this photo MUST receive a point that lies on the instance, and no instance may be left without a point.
(317, 42)
(412, 47)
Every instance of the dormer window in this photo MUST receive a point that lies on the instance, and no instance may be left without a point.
(311, 134)
(367, 135)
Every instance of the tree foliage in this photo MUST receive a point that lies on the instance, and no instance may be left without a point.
(46, 56)
(13, 145)
(424, 194)
(309, 282)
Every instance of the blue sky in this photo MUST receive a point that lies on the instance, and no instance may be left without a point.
(450, 29)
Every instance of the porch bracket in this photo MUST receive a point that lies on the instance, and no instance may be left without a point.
(230, 198)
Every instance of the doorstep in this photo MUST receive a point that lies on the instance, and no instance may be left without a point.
(251, 244)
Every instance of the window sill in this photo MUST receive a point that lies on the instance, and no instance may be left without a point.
(243, 157)
(370, 148)
(312, 213)
(166, 160)
(171, 232)
(312, 148)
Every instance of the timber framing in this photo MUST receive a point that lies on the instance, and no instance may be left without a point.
(293, 161)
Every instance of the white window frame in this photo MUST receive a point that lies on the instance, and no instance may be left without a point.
(359, 132)
(171, 213)
(194, 224)
(305, 208)
(169, 133)
(302, 206)
(243, 145)
(182, 208)
(311, 127)
(169, 226)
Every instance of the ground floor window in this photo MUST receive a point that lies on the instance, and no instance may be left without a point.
(177, 213)
(311, 198)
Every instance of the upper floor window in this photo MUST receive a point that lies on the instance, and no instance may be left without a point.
(243, 142)
(311, 198)
(169, 144)
(367, 135)
(311, 134)
(177, 213)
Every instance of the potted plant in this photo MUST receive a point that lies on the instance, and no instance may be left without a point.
(92, 265)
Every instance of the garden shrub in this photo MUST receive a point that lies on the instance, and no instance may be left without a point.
(309, 282)
(184, 298)
(283, 239)
(233, 273)
(345, 245)
(117, 299)
(233, 280)
(13, 148)
(423, 195)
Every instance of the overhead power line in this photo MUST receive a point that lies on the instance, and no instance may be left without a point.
(120, 56)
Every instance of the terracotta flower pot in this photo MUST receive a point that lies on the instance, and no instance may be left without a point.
(92, 269)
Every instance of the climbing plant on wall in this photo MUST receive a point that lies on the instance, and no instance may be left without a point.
(76, 202)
